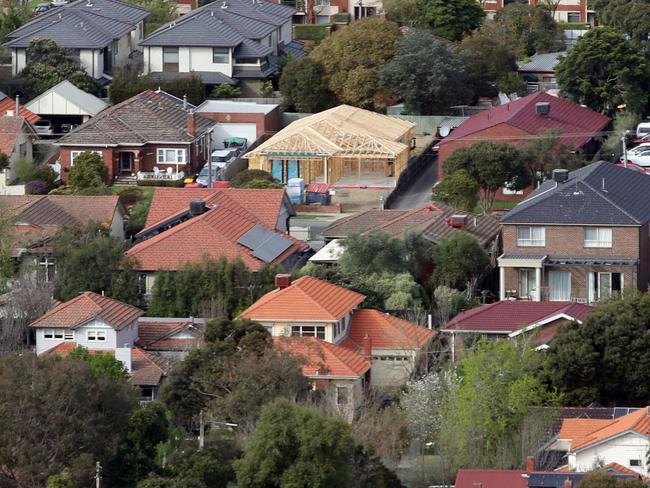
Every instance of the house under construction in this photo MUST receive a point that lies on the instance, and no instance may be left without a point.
(341, 146)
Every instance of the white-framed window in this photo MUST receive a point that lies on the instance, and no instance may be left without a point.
(54, 334)
(220, 55)
(527, 283)
(96, 336)
(46, 265)
(170, 55)
(170, 156)
(635, 462)
(601, 286)
(559, 286)
(530, 236)
(75, 154)
(308, 331)
(392, 358)
(598, 237)
(342, 395)
(68, 335)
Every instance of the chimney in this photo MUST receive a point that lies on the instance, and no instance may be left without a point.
(282, 281)
(191, 124)
(123, 354)
(530, 464)
(17, 105)
(197, 207)
(367, 347)
(568, 483)
(560, 175)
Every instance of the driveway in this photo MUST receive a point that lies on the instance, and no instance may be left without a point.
(418, 192)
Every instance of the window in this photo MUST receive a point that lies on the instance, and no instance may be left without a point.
(308, 331)
(75, 154)
(170, 55)
(598, 237)
(22, 150)
(559, 283)
(527, 283)
(220, 55)
(96, 336)
(601, 286)
(573, 17)
(170, 156)
(46, 265)
(68, 335)
(531, 236)
(392, 358)
(635, 462)
(246, 61)
(342, 395)
(55, 334)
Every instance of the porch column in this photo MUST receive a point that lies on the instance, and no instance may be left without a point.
(502, 283)
(538, 284)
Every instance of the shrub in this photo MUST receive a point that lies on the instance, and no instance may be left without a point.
(225, 91)
(36, 187)
(89, 171)
(165, 183)
(244, 177)
(258, 184)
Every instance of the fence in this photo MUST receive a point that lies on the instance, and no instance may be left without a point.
(412, 172)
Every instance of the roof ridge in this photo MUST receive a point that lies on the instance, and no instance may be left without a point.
(64, 305)
(314, 301)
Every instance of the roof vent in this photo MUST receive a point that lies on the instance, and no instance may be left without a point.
(542, 108)
(89, 3)
(560, 175)
(458, 221)
(197, 207)
(224, 4)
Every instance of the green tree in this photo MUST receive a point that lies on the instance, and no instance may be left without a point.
(605, 358)
(546, 153)
(629, 16)
(426, 75)
(57, 414)
(373, 253)
(603, 71)
(100, 363)
(491, 65)
(352, 58)
(81, 252)
(450, 19)
(484, 415)
(623, 121)
(296, 446)
(49, 65)
(459, 190)
(26, 170)
(492, 165)
(460, 261)
(127, 83)
(304, 86)
(7, 239)
(12, 17)
(225, 91)
(89, 171)
(160, 12)
(603, 479)
(61, 480)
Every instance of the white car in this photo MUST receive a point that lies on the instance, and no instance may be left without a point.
(639, 155)
(44, 128)
(60, 3)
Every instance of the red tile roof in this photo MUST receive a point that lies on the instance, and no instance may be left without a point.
(324, 358)
(265, 204)
(584, 433)
(306, 298)
(491, 478)
(9, 104)
(10, 127)
(385, 331)
(577, 124)
(508, 316)
(88, 306)
(214, 233)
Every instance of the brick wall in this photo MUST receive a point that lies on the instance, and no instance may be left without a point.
(263, 123)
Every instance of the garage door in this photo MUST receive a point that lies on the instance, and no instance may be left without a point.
(221, 131)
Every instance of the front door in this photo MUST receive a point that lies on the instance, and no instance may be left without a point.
(126, 163)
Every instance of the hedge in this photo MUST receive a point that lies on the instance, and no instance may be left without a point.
(573, 25)
(343, 17)
(172, 183)
(311, 32)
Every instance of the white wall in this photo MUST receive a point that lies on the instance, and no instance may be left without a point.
(127, 336)
(285, 32)
(619, 450)
(80, 337)
(117, 225)
(9, 189)
(227, 129)
(280, 329)
(18, 60)
(93, 61)
(124, 48)
(387, 372)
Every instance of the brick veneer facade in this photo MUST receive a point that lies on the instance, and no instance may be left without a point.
(264, 123)
(631, 242)
(578, 6)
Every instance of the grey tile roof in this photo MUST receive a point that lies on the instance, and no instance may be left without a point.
(207, 77)
(252, 49)
(542, 62)
(80, 24)
(600, 193)
(222, 24)
(144, 118)
(294, 48)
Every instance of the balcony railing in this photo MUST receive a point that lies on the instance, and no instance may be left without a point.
(160, 175)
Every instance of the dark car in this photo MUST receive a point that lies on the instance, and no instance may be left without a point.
(42, 7)
(65, 128)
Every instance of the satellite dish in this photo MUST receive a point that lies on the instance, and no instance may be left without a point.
(444, 130)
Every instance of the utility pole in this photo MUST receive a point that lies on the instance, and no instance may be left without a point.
(98, 470)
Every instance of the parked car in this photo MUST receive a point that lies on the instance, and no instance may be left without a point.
(44, 128)
(203, 178)
(221, 157)
(634, 167)
(60, 3)
(642, 129)
(639, 155)
(239, 144)
(65, 128)
(42, 7)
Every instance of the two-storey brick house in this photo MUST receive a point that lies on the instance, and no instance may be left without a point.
(583, 236)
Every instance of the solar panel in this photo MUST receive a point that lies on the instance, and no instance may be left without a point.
(266, 244)
(622, 411)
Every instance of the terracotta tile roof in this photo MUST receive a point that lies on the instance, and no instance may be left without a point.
(214, 233)
(306, 298)
(577, 430)
(324, 358)
(168, 202)
(508, 316)
(385, 331)
(9, 104)
(144, 118)
(88, 306)
(638, 421)
(490, 478)
(61, 209)
(10, 127)
(577, 124)
(432, 220)
(618, 468)
(159, 336)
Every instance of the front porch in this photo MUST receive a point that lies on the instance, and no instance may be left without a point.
(578, 279)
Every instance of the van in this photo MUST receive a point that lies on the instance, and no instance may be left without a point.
(643, 129)
(221, 157)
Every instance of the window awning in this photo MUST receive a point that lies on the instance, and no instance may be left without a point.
(521, 260)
